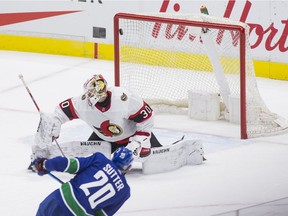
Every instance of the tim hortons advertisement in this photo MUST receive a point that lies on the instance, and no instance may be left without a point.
(267, 20)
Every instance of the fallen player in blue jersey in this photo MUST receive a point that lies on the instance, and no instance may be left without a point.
(98, 188)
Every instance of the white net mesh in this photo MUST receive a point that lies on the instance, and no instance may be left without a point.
(163, 61)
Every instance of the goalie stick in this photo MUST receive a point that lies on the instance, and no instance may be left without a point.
(31, 96)
(29, 92)
(37, 107)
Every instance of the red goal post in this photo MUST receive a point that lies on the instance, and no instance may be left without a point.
(135, 42)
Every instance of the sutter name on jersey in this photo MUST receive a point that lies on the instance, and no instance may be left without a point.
(114, 175)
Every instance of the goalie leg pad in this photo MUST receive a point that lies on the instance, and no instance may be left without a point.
(172, 157)
(194, 152)
(80, 149)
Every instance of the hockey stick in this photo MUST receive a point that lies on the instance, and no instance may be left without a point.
(59, 147)
(31, 96)
(56, 178)
(29, 92)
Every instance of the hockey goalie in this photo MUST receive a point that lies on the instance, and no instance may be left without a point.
(117, 117)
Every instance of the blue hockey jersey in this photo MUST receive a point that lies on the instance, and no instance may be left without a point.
(98, 187)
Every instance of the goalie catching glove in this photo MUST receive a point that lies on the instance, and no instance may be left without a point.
(140, 147)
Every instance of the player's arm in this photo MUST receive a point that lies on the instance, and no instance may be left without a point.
(144, 120)
(66, 110)
(63, 164)
(142, 114)
(139, 143)
(43, 166)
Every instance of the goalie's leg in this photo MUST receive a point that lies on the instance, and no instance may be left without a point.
(171, 157)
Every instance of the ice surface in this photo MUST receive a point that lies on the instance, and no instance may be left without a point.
(237, 173)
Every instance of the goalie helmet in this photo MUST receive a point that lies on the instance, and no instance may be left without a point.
(95, 88)
(123, 159)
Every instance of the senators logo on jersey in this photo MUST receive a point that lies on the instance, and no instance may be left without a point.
(109, 129)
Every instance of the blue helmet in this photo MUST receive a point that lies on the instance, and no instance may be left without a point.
(123, 158)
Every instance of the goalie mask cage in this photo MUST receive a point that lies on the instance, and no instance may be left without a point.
(162, 56)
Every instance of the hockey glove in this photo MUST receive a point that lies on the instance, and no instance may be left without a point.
(140, 147)
(38, 165)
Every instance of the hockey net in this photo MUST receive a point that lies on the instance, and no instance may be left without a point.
(163, 56)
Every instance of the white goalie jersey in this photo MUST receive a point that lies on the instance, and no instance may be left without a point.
(115, 120)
